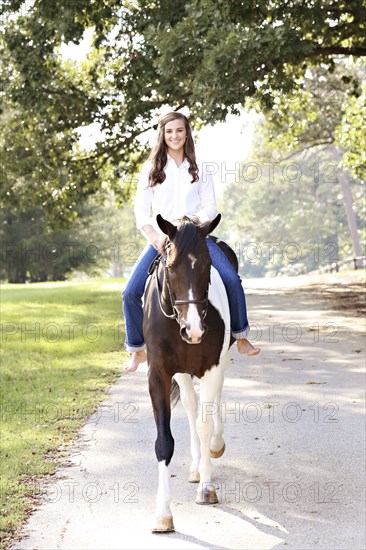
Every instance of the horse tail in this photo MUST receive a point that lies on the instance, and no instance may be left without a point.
(174, 393)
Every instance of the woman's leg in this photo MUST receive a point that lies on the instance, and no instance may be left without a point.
(236, 297)
(132, 301)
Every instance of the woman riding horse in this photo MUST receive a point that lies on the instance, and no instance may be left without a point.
(173, 185)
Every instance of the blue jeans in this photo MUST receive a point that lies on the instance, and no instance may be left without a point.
(133, 292)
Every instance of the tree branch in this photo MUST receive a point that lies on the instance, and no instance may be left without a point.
(357, 51)
(114, 146)
(306, 148)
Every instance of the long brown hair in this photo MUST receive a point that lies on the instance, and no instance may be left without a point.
(159, 155)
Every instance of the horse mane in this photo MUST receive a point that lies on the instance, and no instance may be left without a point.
(186, 240)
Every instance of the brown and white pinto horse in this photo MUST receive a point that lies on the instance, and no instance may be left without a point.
(187, 332)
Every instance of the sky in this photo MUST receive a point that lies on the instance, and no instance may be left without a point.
(226, 145)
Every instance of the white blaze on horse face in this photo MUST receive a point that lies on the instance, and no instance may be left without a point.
(195, 331)
(193, 260)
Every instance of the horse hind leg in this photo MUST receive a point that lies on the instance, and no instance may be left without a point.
(189, 400)
(159, 388)
(211, 384)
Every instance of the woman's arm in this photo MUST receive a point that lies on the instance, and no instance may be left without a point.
(143, 199)
(207, 195)
(142, 208)
(153, 236)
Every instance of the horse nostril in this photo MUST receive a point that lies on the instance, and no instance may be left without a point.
(188, 337)
(184, 334)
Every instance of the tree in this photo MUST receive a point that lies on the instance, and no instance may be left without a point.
(30, 253)
(208, 55)
(286, 218)
(310, 115)
(101, 240)
(350, 134)
(315, 117)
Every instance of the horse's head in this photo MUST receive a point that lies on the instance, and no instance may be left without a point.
(187, 273)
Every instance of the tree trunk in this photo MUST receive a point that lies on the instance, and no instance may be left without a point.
(351, 218)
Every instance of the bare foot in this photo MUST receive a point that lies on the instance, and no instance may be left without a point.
(244, 346)
(134, 361)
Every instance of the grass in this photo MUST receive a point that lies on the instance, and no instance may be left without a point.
(61, 349)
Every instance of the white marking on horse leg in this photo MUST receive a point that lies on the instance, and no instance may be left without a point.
(195, 330)
(217, 440)
(163, 493)
(205, 429)
(189, 400)
(211, 384)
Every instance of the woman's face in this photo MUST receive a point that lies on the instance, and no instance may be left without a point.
(175, 135)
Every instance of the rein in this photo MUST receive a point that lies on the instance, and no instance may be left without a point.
(175, 315)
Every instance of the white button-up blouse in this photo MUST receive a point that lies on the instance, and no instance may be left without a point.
(176, 196)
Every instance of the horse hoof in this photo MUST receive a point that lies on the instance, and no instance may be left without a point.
(207, 496)
(194, 477)
(164, 524)
(217, 454)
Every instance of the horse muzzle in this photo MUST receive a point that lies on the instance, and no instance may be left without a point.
(192, 336)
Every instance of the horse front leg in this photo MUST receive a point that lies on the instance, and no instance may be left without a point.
(189, 400)
(217, 446)
(159, 388)
(207, 424)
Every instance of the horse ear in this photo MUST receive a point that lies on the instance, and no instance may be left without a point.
(166, 227)
(207, 227)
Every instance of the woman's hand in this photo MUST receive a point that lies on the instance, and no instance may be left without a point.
(155, 239)
(160, 244)
(194, 218)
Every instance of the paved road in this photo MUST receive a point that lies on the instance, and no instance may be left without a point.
(291, 476)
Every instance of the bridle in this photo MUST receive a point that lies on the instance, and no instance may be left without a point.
(174, 303)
